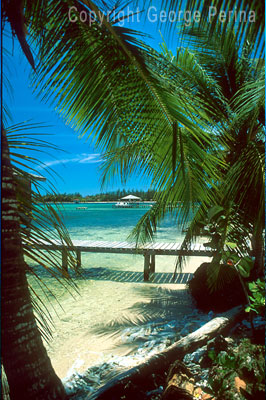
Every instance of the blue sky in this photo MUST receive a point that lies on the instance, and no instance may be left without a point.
(79, 162)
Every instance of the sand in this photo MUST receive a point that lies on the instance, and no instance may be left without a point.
(88, 326)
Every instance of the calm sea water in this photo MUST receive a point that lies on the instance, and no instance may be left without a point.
(102, 303)
(105, 222)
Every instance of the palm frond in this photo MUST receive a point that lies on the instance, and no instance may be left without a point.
(134, 106)
(247, 29)
(133, 101)
(39, 222)
(249, 102)
(245, 186)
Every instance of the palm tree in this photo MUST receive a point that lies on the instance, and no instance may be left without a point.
(27, 365)
(25, 224)
(166, 119)
(147, 113)
(239, 103)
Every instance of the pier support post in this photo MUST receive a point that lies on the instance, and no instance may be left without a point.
(146, 267)
(78, 258)
(152, 267)
(64, 259)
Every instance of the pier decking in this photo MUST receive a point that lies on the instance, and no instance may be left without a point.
(149, 251)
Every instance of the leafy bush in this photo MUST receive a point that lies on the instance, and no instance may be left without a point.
(246, 363)
(257, 298)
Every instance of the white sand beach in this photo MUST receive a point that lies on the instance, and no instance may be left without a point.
(82, 336)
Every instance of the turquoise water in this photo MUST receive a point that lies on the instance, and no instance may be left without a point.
(101, 303)
(105, 222)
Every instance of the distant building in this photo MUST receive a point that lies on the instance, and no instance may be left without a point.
(131, 199)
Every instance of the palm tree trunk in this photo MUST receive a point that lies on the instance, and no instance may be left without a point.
(258, 251)
(28, 368)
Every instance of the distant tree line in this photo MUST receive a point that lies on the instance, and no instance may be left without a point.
(109, 196)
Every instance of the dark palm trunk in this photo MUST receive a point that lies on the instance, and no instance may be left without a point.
(28, 368)
(258, 252)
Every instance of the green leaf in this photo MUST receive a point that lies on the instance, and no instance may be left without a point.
(212, 355)
(227, 360)
(215, 212)
(252, 286)
(231, 245)
(243, 272)
(174, 147)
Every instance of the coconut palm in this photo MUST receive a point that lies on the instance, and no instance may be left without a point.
(166, 119)
(25, 224)
(239, 81)
(148, 113)
(27, 365)
(245, 17)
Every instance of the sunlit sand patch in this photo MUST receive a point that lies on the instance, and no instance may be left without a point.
(104, 302)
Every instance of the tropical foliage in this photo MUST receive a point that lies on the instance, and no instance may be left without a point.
(238, 131)
(39, 222)
(257, 297)
(186, 120)
(180, 119)
(244, 365)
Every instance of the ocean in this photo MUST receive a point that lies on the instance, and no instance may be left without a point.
(105, 222)
(88, 326)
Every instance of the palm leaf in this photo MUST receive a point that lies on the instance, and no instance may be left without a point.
(131, 97)
(245, 186)
(246, 30)
(39, 222)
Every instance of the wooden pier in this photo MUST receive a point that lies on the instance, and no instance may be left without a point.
(149, 251)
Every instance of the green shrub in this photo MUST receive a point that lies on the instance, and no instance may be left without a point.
(247, 362)
(257, 298)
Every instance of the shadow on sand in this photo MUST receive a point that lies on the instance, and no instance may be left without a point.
(106, 274)
(158, 306)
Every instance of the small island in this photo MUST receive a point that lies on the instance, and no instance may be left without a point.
(108, 197)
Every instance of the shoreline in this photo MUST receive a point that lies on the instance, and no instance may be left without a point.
(93, 202)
